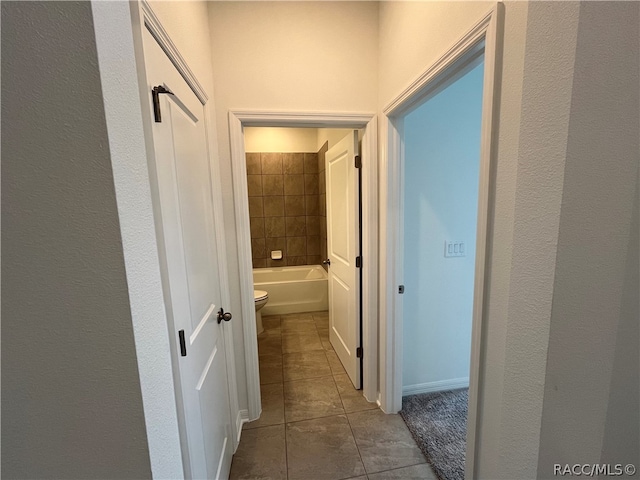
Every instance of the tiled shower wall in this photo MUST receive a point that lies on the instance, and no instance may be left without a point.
(284, 208)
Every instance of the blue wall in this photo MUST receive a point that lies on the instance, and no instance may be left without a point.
(442, 156)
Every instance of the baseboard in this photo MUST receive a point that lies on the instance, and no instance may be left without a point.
(241, 419)
(438, 386)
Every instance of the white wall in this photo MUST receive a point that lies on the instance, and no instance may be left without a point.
(591, 410)
(287, 56)
(280, 139)
(441, 175)
(71, 399)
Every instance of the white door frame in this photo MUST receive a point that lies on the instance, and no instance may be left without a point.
(238, 119)
(391, 216)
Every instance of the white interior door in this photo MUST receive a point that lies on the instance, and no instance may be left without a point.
(191, 273)
(343, 247)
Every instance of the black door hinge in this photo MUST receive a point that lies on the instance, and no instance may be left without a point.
(358, 261)
(183, 345)
(359, 352)
(400, 288)
(358, 160)
(155, 94)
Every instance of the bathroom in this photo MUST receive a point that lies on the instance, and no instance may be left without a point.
(288, 220)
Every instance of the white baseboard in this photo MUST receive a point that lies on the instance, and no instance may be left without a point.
(439, 386)
(241, 419)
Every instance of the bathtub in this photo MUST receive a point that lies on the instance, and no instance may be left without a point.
(293, 289)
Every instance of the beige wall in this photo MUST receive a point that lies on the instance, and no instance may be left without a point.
(71, 397)
(279, 139)
(187, 23)
(287, 56)
(591, 402)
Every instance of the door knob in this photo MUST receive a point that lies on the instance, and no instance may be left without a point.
(327, 262)
(222, 315)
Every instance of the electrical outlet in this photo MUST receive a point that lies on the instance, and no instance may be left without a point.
(455, 248)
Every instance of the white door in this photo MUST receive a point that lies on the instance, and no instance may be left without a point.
(343, 247)
(191, 273)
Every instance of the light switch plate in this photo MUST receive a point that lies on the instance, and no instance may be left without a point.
(455, 248)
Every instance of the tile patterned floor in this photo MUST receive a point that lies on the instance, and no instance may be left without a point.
(314, 424)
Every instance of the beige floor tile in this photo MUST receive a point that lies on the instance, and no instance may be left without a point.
(270, 369)
(269, 344)
(384, 441)
(271, 323)
(293, 342)
(323, 448)
(311, 398)
(261, 454)
(334, 362)
(298, 366)
(272, 406)
(326, 345)
(352, 399)
(298, 324)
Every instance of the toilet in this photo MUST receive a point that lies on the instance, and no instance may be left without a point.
(260, 297)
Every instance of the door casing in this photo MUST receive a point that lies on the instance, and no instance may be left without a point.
(486, 30)
(238, 119)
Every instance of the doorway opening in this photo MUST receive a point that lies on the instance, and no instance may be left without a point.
(291, 249)
(477, 46)
(441, 138)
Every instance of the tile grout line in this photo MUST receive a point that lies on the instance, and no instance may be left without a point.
(284, 410)
(356, 442)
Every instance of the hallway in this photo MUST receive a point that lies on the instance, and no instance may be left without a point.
(314, 424)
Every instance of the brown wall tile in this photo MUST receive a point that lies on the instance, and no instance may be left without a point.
(271, 163)
(257, 227)
(311, 204)
(257, 248)
(254, 185)
(311, 184)
(310, 163)
(292, 163)
(296, 226)
(294, 185)
(274, 227)
(296, 246)
(313, 225)
(314, 260)
(272, 185)
(297, 261)
(313, 245)
(294, 205)
(274, 206)
(255, 207)
(276, 243)
(284, 207)
(253, 164)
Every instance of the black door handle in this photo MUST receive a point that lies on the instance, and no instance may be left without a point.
(224, 316)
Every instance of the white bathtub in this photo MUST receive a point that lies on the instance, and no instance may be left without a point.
(293, 289)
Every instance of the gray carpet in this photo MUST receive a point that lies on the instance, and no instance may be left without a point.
(438, 423)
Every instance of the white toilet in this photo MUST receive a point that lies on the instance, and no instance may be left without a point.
(260, 297)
